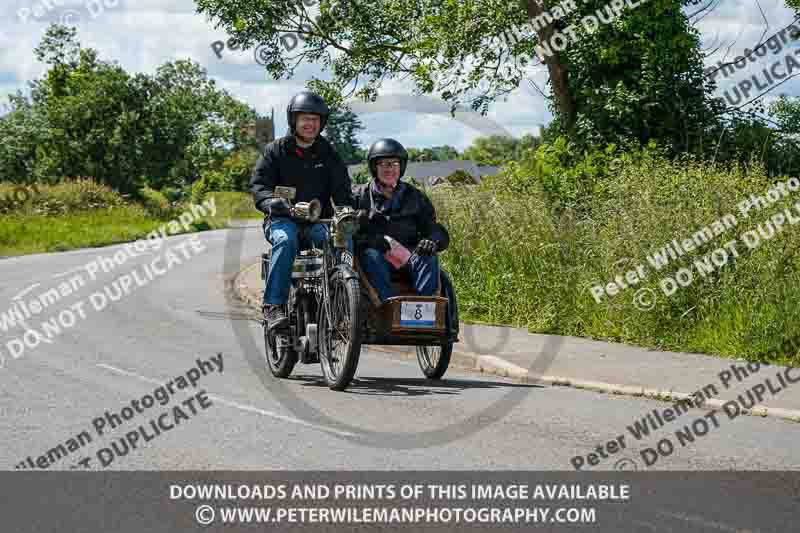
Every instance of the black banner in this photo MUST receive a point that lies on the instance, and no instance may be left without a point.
(152, 502)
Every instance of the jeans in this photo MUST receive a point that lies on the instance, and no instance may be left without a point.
(424, 272)
(283, 235)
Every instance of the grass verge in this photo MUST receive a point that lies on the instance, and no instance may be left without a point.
(515, 261)
(25, 231)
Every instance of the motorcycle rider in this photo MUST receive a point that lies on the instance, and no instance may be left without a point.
(306, 161)
(388, 206)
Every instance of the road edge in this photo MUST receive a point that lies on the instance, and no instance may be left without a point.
(493, 365)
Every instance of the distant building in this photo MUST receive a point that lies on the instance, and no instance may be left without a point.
(263, 129)
(432, 173)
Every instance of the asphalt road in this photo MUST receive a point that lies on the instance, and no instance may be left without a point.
(389, 419)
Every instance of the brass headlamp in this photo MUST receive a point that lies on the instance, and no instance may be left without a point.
(344, 226)
(310, 211)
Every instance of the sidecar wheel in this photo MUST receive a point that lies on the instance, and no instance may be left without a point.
(434, 360)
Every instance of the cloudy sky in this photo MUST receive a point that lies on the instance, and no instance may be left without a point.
(142, 34)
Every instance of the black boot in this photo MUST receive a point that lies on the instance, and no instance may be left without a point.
(275, 317)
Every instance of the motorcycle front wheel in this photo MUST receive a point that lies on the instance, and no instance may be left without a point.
(340, 335)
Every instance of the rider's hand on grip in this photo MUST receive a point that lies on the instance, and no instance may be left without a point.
(426, 247)
(279, 207)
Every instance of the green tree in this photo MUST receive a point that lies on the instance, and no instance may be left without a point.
(342, 130)
(195, 124)
(527, 143)
(446, 153)
(786, 112)
(434, 153)
(88, 117)
(92, 110)
(617, 80)
(23, 136)
(492, 150)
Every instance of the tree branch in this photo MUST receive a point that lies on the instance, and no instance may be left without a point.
(765, 92)
(703, 9)
(759, 45)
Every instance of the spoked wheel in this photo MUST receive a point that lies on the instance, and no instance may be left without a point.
(281, 362)
(434, 360)
(340, 335)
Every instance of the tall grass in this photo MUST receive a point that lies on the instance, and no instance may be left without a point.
(518, 262)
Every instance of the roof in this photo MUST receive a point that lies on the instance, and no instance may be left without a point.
(488, 170)
(427, 172)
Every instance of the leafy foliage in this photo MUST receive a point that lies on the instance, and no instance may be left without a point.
(619, 81)
(499, 149)
(460, 177)
(360, 177)
(88, 117)
(341, 130)
(82, 194)
(434, 153)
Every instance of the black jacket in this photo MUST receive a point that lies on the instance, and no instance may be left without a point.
(413, 220)
(319, 173)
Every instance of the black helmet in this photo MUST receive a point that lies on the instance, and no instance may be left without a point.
(386, 148)
(306, 102)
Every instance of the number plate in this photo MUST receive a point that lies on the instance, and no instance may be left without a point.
(418, 314)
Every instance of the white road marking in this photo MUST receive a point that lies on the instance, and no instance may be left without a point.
(25, 291)
(68, 272)
(236, 405)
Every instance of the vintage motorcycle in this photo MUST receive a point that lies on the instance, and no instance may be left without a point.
(333, 310)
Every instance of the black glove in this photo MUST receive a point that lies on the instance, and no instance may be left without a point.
(426, 247)
(278, 207)
(379, 219)
(375, 219)
(362, 216)
(377, 241)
